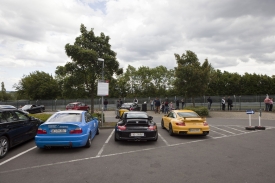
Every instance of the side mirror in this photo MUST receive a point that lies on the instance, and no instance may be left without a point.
(150, 117)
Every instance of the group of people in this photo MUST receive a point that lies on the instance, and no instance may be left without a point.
(268, 103)
(164, 106)
(229, 102)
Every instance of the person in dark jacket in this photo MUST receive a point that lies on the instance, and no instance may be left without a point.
(105, 103)
(182, 103)
(229, 103)
(177, 104)
(209, 101)
(157, 105)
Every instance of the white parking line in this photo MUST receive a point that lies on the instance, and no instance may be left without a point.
(236, 129)
(223, 130)
(106, 142)
(163, 139)
(108, 155)
(20, 154)
(218, 133)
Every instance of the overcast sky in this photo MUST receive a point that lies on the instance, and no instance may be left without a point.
(235, 35)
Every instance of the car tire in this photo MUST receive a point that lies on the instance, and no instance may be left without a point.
(162, 124)
(116, 139)
(156, 139)
(89, 141)
(41, 110)
(97, 131)
(170, 130)
(4, 146)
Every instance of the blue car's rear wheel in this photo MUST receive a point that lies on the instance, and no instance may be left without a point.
(89, 142)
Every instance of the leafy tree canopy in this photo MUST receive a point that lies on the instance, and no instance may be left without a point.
(37, 85)
(82, 74)
(192, 78)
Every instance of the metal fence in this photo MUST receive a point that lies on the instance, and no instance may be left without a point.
(240, 103)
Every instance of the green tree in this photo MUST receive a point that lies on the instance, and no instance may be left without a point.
(192, 78)
(37, 85)
(84, 72)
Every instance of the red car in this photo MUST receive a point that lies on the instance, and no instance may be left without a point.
(77, 106)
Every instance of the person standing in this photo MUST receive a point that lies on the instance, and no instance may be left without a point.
(177, 104)
(209, 101)
(270, 104)
(229, 103)
(166, 107)
(120, 102)
(223, 103)
(152, 104)
(105, 104)
(267, 103)
(182, 103)
(162, 107)
(171, 106)
(157, 104)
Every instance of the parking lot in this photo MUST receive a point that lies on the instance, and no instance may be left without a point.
(228, 154)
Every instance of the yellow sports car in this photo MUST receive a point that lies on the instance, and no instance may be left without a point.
(184, 122)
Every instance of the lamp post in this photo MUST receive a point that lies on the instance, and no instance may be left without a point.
(102, 60)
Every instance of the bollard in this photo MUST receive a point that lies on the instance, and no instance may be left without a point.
(260, 127)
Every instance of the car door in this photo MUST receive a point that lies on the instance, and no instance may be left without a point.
(30, 124)
(167, 119)
(83, 106)
(12, 127)
(90, 123)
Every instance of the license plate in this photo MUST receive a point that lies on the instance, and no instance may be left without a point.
(58, 130)
(194, 130)
(137, 134)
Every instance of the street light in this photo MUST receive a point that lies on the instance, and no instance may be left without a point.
(102, 60)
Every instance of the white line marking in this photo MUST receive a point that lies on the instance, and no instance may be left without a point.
(24, 152)
(224, 130)
(236, 129)
(218, 133)
(106, 142)
(115, 154)
(163, 140)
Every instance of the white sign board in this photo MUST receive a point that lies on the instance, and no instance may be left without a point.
(102, 89)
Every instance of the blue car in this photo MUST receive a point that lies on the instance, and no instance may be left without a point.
(71, 128)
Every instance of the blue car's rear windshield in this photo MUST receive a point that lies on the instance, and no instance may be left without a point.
(65, 117)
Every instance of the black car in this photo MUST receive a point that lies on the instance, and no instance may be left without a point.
(31, 108)
(136, 125)
(130, 106)
(15, 127)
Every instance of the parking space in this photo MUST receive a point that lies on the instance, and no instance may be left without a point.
(27, 157)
